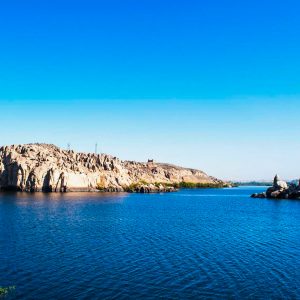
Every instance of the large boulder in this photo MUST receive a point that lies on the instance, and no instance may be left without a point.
(279, 184)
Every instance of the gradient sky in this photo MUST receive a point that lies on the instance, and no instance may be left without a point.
(213, 85)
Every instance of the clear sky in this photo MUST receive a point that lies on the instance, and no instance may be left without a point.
(213, 85)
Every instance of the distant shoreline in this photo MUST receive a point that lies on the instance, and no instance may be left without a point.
(253, 183)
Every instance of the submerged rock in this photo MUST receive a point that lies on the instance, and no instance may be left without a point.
(260, 195)
(47, 168)
(280, 190)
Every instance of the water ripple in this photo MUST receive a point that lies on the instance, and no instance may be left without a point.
(214, 244)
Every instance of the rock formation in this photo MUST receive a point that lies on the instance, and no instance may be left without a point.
(45, 167)
(280, 190)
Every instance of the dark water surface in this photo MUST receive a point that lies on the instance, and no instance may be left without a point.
(192, 244)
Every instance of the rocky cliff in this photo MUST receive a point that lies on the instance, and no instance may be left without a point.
(45, 167)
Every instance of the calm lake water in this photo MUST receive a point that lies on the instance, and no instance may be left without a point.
(204, 243)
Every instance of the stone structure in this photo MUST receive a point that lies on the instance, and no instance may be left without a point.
(45, 167)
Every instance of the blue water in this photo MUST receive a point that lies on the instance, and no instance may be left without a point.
(204, 243)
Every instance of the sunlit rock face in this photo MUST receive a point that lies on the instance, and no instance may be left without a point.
(279, 184)
(280, 190)
(45, 167)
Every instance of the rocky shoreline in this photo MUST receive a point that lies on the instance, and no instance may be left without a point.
(47, 168)
(280, 190)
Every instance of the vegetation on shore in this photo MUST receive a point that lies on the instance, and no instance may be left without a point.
(177, 185)
(5, 290)
(253, 183)
(132, 188)
(192, 185)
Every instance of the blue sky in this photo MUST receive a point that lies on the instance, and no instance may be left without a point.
(208, 84)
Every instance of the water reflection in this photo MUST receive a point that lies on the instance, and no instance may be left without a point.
(187, 245)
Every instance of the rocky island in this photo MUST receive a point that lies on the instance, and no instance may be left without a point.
(280, 190)
(48, 168)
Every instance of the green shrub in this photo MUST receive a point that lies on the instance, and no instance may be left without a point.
(5, 290)
(192, 185)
